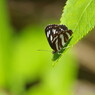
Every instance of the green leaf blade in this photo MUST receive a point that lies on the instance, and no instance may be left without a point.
(79, 16)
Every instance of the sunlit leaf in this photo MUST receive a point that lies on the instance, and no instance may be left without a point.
(79, 16)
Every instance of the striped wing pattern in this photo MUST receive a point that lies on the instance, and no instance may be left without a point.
(57, 36)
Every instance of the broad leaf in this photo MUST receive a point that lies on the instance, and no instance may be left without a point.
(79, 16)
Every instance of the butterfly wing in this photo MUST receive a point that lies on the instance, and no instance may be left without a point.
(64, 37)
(57, 36)
(52, 35)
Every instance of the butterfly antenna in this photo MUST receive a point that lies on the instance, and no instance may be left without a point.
(43, 50)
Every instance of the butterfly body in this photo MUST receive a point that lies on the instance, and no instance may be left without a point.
(57, 36)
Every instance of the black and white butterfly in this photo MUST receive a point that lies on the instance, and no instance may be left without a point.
(57, 36)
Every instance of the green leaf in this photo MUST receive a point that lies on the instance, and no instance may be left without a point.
(79, 16)
(5, 41)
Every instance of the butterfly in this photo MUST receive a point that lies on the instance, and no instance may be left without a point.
(57, 36)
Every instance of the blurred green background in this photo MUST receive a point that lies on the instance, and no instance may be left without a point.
(26, 71)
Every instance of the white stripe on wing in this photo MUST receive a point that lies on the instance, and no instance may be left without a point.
(56, 43)
(62, 39)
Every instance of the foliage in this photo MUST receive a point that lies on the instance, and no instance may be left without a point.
(79, 16)
(21, 62)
